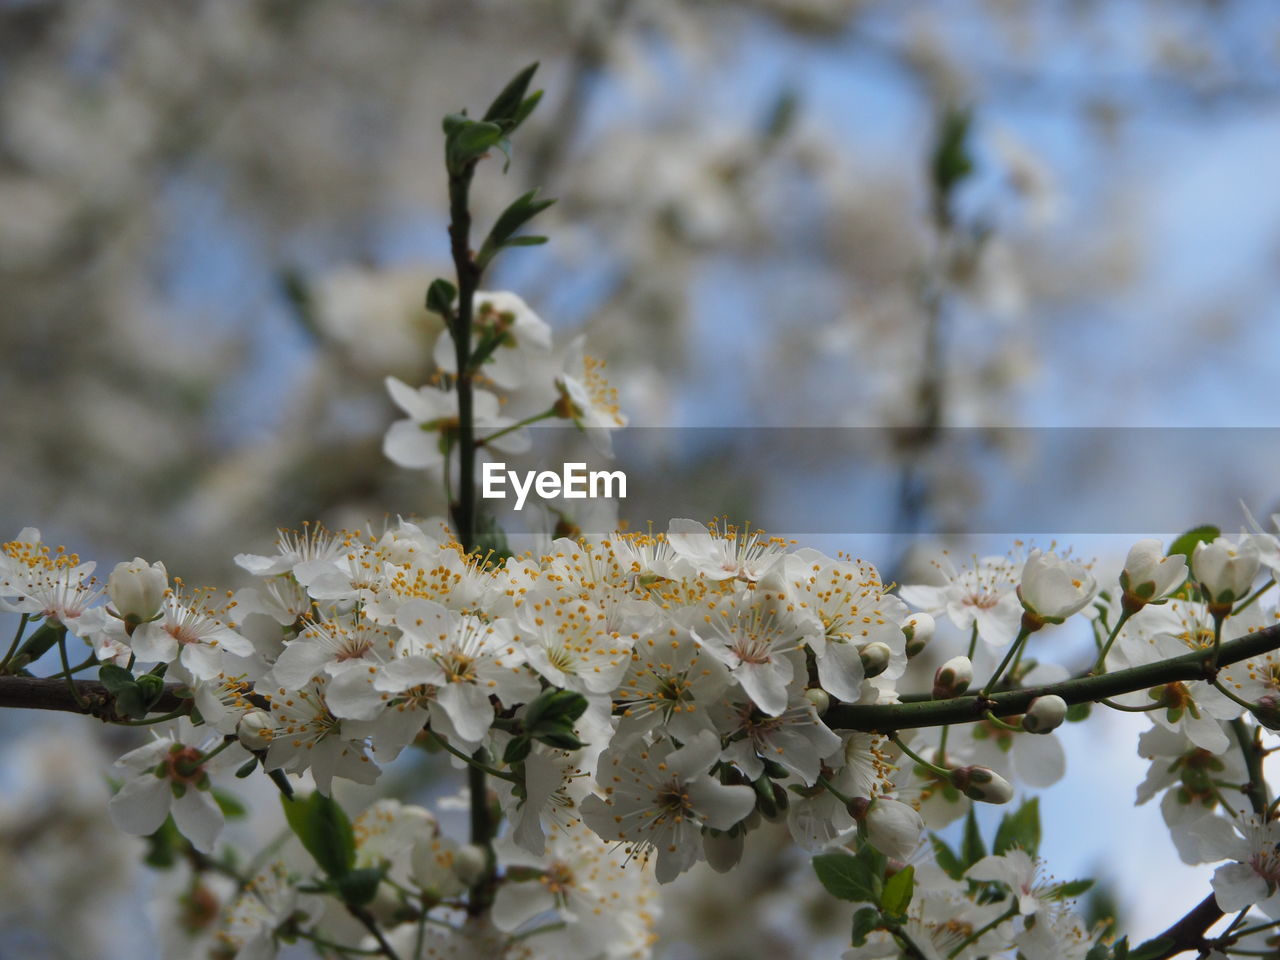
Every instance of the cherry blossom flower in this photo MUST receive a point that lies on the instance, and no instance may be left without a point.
(656, 802)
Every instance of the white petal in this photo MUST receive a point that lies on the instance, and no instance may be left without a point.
(198, 818)
(141, 805)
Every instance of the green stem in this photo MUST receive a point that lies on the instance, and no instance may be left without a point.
(1101, 665)
(545, 415)
(1226, 692)
(1246, 603)
(1108, 702)
(468, 276)
(370, 924)
(1014, 647)
(1195, 665)
(83, 665)
(939, 771)
(66, 669)
(830, 788)
(1217, 639)
(477, 764)
(1256, 788)
(978, 934)
(17, 639)
(993, 719)
(150, 721)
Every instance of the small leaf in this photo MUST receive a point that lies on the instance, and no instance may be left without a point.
(1152, 949)
(972, 849)
(359, 887)
(897, 891)
(946, 857)
(1020, 829)
(865, 921)
(847, 878)
(1186, 544)
(115, 678)
(440, 297)
(230, 806)
(1072, 888)
(1078, 711)
(506, 105)
(324, 830)
(517, 750)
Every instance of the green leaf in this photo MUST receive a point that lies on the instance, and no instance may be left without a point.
(897, 891)
(440, 297)
(951, 162)
(468, 141)
(115, 678)
(324, 830)
(1186, 544)
(865, 921)
(1078, 711)
(1072, 888)
(230, 806)
(847, 877)
(162, 846)
(247, 768)
(527, 241)
(131, 702)
(1152, 949)
(972, 849)
(946, 857)
(1020, 829)
(359, 887)
(518, 749)
(507, 105)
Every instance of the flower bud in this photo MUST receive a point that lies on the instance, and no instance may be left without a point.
(875, 658)
(255, 729)
(1225, 570)
(1053, 588)
(982, 783)
(1149, 575)
(1267, 712)
(819, 699)
(1045, 714)
(894, 828)
(723, 848)
(137, 590)
(952, 678)
(918, 629)
(469, 863)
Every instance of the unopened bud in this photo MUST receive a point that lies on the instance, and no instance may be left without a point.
(723, 848)
(952, 678)
(1045, 714)
(982, 783)
(1267, 712)
(819, 699)
(255, 729)
(875, 658)
(894, 828)
(469, 863)
(137, 590)
(918, 629)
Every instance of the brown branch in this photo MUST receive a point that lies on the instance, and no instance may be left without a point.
(46, 693)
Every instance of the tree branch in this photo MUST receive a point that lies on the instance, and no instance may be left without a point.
(884, 718)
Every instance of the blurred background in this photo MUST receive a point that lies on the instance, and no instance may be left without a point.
(993, 219)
